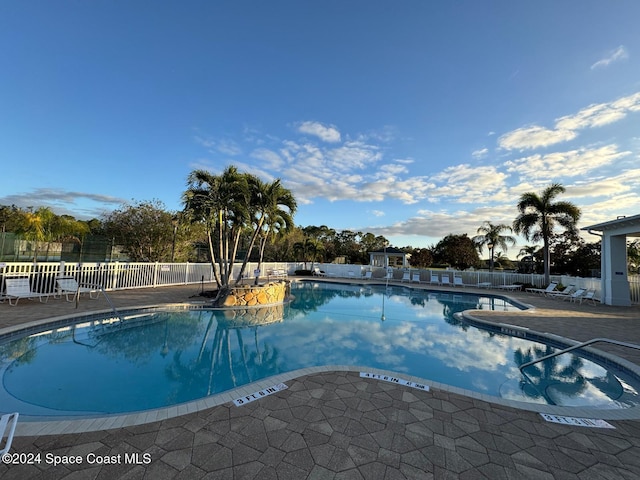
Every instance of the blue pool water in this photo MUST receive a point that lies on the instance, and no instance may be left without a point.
(153, 360)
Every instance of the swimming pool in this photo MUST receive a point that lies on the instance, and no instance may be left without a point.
(153, 359)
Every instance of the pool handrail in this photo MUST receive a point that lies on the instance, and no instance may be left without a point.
(577, 346)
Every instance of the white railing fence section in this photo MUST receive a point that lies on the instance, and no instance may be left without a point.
(124, 275)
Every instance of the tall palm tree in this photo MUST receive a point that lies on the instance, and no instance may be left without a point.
(272, 207)
(221, 202)
(539, 215)
(491, 236)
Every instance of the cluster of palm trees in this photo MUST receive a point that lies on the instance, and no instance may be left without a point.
(230, 205)
(538, 216)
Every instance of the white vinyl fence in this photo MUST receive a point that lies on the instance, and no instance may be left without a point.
(124, 275)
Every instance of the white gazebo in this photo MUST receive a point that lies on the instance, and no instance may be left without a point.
(389, 256)
(614, 281)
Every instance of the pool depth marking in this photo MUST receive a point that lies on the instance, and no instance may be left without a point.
(399, 381)
(577, 422)
(259, 394)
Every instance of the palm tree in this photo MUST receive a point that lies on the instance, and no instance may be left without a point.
(221, 202)
(529, 251)
(492, 237)
(272, 207)
(539, 216)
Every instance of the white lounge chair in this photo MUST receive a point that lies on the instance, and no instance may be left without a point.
(445, 279)
(543, 291)
(589, 296)
(566, 291)
(569, 296)
(317, 272)
(415, 277)
(8, 424)
(69, 286)
(406, 277)
(18, 288)
(457, 282)
(368, 275)
(434, 279)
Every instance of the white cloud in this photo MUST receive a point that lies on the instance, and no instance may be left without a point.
(467, 184)
(533, 137)
(326, 133)
(480, 153)
(269, 158)
(552, 166)
(619, 53)
(378, 213)
(565, 129)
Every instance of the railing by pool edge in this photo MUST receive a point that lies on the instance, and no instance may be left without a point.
(129, 275)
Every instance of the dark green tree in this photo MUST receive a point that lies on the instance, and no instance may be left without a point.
(458, 251)
(144, 229)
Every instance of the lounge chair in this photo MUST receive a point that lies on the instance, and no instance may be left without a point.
(543, 291)
(18, 288)
(368, 275)
(70, 286)
(446, 279)
(434, 279)
(589, 296)
(457, 282)
(569, 296)
(8, 424)
(406, 277)
(415, 277)
(562, 294)
(317, 272)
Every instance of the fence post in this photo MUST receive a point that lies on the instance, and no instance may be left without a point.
(155, 275)
(116, 272)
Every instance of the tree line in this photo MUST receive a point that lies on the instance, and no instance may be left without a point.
(236, 216)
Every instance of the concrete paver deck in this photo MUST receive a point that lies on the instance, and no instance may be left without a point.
(336, 425)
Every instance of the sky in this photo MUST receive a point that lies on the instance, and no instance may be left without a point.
(410, 119)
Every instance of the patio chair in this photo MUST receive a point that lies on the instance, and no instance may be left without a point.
(562, 294)
(18, 288)
(69, 286)
(568, 296)
(8, 424)
(457, 281)
(415, 278)
(406, 277)
(317, 272)
(589, 296)
(434, 279)
(445, 280)
(368, 275)
(543, 291)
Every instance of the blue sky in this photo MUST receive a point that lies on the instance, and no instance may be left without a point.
(408, 119)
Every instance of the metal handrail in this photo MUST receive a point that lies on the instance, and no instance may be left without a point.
(113, 307)
(580, 345)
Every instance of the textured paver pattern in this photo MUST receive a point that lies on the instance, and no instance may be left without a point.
(338, 425)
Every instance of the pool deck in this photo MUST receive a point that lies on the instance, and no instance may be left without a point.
(336, 425)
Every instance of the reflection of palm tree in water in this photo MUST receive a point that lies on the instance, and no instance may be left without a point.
(548, 373)
(220, 364)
